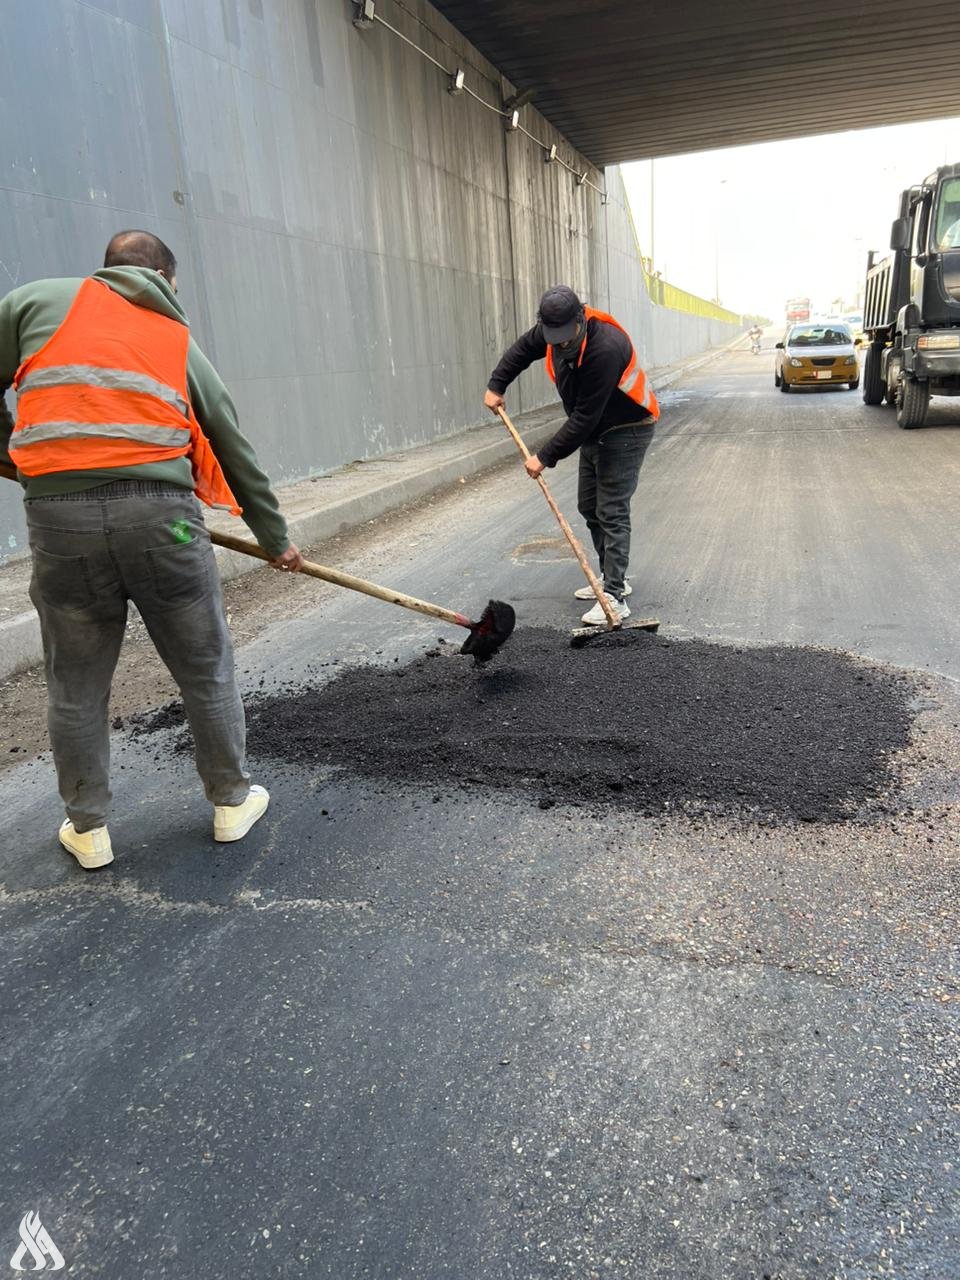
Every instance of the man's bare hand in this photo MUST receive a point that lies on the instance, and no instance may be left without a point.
(494, 401)
(534, 467)
(291, 559)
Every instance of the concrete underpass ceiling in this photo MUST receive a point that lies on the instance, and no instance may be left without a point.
(627, 80)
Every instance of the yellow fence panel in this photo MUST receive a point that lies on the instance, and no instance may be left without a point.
(665, 294)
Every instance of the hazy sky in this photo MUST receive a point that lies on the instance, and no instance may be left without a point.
(779, 220)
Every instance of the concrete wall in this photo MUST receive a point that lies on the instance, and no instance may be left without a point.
(356, 245)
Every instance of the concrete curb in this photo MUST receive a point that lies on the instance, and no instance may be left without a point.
(20, 643)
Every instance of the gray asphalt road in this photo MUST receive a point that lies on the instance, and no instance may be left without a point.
(472, 1039)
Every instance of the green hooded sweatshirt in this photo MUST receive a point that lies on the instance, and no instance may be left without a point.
(30, 315)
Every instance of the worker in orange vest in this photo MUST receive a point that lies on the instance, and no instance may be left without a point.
(611, 409)
(122, 424)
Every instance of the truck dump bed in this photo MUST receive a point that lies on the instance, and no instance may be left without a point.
(881, 297)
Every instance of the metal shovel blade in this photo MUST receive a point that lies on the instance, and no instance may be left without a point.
(494, 628)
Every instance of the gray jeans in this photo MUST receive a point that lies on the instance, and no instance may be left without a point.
(607, 481)
(92, 552)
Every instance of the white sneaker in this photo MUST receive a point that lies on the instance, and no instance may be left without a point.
(588, 593)
(597, 618)
(91, 849)
(233, 821)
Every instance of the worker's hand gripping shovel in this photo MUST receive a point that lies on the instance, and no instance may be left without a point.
(613, 622)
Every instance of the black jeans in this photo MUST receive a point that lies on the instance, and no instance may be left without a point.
(609, 470)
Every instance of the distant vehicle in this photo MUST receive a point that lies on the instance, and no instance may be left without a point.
(798, 309)
(854, 322)
(911, 312)
(817, 355)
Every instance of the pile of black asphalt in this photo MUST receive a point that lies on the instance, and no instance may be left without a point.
(640, 722)
(634, 720)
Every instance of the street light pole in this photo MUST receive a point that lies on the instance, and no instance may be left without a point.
(716, 246)
(652, 217)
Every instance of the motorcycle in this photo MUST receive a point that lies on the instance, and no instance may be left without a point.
(755, 345)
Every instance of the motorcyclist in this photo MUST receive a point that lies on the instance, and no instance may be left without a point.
(755, 333)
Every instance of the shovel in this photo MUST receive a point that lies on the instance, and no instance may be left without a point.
(486, 635)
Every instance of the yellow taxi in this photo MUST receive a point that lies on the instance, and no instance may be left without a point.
(817, 353)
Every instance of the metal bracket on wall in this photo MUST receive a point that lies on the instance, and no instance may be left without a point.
(365, 15)
(365, 12)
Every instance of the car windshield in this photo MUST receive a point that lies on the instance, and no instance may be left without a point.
(819, 335)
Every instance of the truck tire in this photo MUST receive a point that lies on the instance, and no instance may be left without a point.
(890, 386)
(913, 400)
(784, 385)
(873, 387)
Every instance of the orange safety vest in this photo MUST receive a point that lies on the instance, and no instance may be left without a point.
(633, 381)
(109, 389)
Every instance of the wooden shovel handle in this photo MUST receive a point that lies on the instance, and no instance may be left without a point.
(340, 579)
(612, 619)
(321, 571)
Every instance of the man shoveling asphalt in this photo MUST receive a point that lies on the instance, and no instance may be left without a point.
(121, 420)
(611, 410)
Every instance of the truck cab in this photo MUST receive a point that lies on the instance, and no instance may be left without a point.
(912, 302)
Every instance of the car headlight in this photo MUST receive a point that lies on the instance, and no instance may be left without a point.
(795, 363)
(939, 341)
(850, 360)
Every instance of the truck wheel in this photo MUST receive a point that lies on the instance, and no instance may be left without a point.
(913, 400)
(776, 379)
(873, 387)
(890, 386)
(784, 385)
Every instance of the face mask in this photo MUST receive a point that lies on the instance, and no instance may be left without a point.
(570, 353)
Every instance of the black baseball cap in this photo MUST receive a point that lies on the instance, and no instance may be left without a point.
(559, 314)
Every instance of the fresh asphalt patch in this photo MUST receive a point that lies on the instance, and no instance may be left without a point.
(644, 722)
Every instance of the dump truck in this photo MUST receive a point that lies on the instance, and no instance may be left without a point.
(911, 311)
(798, 309)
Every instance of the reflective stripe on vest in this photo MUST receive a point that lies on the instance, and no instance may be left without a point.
(633, 381)
(91, 375)
(630, 379)
(109, 389)
(162, 436)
